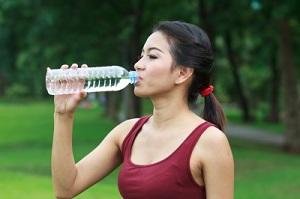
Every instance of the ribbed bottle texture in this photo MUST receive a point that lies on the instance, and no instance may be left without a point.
(91, 79)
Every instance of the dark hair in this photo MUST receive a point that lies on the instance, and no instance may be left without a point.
(191, 47)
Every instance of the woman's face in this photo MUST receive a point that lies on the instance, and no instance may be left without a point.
(154, 67)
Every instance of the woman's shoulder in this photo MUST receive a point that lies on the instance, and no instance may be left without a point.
(123, 129)
(129, 123)
(212, 136)
(125, 126)
(213, 142)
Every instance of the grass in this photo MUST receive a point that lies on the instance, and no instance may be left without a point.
(25, 149)
(263, 172)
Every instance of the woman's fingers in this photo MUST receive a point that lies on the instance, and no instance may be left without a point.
(74, 65)
(64, 66)
(84, 66)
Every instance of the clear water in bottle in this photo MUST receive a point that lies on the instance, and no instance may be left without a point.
(92, 79)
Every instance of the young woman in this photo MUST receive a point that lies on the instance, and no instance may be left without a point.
(172, 153)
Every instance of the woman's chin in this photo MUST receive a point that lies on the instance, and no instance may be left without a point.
(139, 93)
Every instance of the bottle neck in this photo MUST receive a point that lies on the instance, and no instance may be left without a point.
(133, 76)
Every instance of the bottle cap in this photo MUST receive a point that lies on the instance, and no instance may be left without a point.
(133, 76)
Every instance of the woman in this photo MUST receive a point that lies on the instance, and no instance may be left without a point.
(172, 153)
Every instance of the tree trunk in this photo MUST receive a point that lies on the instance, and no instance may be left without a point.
(275, 86)
(3, 83)
(134, 103)
(204, 16)
(243, 102)
(13, 50)
(112, 105)
(290, 93)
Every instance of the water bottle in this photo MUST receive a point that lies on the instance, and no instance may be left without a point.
(91, 79)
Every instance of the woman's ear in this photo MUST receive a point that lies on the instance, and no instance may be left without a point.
(184, 73)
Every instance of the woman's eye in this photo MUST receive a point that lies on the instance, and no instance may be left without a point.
(152, 56)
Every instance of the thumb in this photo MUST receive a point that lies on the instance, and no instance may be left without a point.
(83, 95)
(79, 96)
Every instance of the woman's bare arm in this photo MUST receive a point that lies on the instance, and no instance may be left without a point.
(70, 179)
(218, 164)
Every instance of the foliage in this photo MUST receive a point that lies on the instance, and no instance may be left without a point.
(16, 91)
(36, 34)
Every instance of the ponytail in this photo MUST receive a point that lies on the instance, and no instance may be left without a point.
(213, 111)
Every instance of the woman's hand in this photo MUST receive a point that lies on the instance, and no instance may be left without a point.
(69, 102)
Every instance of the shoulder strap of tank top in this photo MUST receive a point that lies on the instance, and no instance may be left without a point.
(191, 141)
(128, 141)
(196, 134)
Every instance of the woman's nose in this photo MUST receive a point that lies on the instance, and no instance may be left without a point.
(139, 64)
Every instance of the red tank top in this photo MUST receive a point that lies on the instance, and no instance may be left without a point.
(170, 178)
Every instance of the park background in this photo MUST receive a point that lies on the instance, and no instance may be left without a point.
(256, 44)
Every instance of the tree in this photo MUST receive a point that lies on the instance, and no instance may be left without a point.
(290, 92)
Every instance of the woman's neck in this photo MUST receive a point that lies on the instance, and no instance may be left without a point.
(167, 112)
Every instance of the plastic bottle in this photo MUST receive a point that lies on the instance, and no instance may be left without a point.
(91, 79)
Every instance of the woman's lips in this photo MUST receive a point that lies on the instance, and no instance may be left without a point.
(139, 79)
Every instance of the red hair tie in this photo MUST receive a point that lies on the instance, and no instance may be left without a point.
(208, 90)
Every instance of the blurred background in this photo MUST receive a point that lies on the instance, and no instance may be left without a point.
(256, 44)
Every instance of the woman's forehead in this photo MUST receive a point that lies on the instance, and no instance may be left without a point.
(156, 40)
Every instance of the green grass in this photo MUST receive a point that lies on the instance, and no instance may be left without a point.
(25, 149)
(263, 172)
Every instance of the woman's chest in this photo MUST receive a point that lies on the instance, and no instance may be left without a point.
(150, 148)
(153, 149)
